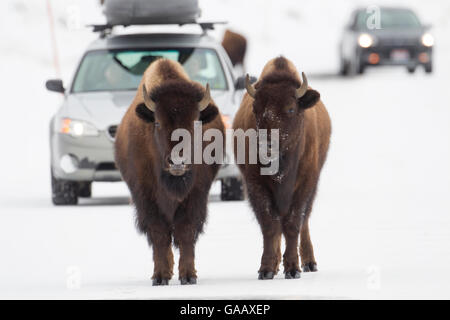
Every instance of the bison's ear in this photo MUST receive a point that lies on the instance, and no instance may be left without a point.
(309, 99)
(209, 114)
(144, 113)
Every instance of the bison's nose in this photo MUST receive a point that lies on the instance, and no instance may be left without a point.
(176, 166)
(171, 161)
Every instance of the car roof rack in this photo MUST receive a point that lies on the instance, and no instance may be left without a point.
(106, 29)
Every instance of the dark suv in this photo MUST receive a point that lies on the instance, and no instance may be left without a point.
(385, 36)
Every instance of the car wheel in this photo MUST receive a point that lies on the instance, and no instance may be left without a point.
(345, 68)
(429, 68)
(411, 69)
(360, 68)
(64, 192)
(232, 189)
(85, 189)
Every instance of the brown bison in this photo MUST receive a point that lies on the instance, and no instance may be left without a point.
(170, 195)
(283, 202)
(235, 45)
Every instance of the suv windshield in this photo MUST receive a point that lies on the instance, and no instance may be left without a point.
(112, 70)
(391, 19)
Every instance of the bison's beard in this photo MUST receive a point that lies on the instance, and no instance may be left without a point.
(177, 186)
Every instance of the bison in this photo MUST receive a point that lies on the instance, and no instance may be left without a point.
(170, 195)
(235, 45)
(282, 202)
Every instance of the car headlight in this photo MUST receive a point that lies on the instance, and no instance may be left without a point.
(365, 40)
(427, 40)
(227, 122)
(77, 128)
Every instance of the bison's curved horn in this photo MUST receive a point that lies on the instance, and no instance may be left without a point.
(300, 92)
(250, 88)
(149, 103)
(205, 100)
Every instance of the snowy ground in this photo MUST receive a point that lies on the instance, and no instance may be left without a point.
(381, 224)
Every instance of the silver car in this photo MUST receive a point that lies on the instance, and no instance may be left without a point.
(83, 129)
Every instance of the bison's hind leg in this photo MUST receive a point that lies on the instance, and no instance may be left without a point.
(309, 263)
(306, 249)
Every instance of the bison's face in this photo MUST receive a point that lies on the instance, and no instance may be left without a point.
(279, 104)
(171, 109)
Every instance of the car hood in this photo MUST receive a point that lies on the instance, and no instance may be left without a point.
(103, 109)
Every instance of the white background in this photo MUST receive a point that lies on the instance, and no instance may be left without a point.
(381, 223)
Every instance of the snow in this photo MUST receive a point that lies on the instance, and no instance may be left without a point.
(381, 222)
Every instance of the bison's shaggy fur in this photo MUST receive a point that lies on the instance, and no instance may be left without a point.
(168, 207)
(236, 46)
(283, 202)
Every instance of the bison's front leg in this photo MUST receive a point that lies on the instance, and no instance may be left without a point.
(291, 230)
(185, 237)
(161, 239)
(188, 222)
(270, 259)
(269, 222)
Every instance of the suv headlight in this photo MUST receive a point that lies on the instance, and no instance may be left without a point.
(365, 40)
(427, 40)
(77, 128)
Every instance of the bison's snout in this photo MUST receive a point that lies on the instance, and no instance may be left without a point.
(177, 166)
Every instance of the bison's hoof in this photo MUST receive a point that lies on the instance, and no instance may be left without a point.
(265, 275)
(160, 282)
(295, 274)
(188, 280)
(310, 267)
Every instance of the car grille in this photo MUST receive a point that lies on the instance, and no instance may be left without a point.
(106, 166)
(396, 42)
(112, 130)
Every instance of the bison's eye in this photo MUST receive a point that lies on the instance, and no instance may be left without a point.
(291, 110)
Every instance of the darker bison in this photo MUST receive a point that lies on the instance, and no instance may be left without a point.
(283, 202)
(170, 195)
(235, 45)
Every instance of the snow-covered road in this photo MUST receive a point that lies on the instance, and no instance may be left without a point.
(380, 226)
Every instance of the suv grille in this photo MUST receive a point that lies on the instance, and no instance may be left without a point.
(112, 130)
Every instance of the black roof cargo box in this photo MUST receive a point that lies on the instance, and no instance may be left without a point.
(143, 12)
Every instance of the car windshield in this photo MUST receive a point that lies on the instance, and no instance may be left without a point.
(390, 19)
(113, 70)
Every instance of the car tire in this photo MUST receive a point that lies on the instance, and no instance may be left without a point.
(345, 68)
(85, 189)
(429, 68)
(64, 192)
(360, 68)
(411, 69)
(232, 189)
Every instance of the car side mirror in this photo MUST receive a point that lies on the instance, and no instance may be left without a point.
(240, 82)
(55, 85)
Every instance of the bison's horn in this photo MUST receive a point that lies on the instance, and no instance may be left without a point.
(149, 103)
(250, 88)
(300, 92)
(205, 100)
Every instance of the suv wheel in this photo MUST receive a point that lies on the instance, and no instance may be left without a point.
(429, 68)
(85, 189)
(232, 189)
(411, 69)
(345, 67)
(64, 192)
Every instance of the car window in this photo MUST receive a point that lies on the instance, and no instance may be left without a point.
(112, 70)
(390, 19)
